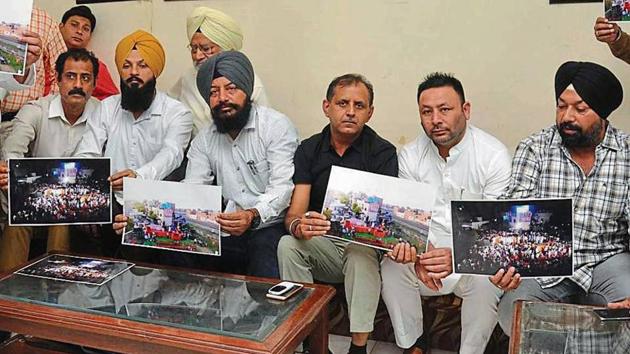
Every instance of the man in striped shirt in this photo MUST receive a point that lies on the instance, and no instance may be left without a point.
(583, 157)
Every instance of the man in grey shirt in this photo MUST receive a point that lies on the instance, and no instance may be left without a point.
(51, 126)
(248, 151)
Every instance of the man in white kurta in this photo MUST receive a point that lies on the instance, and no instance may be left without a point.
(462, 162)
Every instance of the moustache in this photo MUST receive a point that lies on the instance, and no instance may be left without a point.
(569, 126)
(134, 80)
(220, 106)
(77, 91)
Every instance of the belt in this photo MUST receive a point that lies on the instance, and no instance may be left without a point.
(8, 116)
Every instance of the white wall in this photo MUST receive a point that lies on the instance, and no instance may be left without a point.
(505, 53)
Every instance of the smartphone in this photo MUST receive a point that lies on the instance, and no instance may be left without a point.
(613, 314)
(283, 290)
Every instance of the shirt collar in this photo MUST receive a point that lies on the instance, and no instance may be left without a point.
(156, 108)
(55, 110)
(357, 144)
(456, 150)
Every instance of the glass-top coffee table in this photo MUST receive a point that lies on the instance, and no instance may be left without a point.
(156, 310)
(550, 328)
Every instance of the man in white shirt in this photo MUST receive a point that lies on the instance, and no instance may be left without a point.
(143, 130)
(49, 127)
(209, 32)
(462, 162)
(248, 151)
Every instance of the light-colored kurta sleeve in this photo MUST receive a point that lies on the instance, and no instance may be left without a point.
(199, 170)
(178, 130)
(25, 126)
(282, 143)
(498, 178)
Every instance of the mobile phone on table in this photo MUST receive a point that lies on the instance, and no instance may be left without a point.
(613, 314)
(283, 290)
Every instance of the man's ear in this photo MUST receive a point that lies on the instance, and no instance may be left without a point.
(325, 107)
(466, 110)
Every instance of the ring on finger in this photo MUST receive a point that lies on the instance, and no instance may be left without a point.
(310, 227)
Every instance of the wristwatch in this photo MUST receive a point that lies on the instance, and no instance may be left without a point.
(256, 220)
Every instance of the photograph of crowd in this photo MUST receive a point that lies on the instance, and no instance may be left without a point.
(172, 216)
(14, 17)
(534, 236)
(75, 269)
(617, 10)
(67, 191)
(377, 211)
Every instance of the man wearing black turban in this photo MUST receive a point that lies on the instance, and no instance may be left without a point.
(585, 158)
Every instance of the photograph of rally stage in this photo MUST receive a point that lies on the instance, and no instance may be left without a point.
(59, 191)
(533, 236)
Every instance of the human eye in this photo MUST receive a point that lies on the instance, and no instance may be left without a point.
(445, 109)
(71, 76)
(342, 103)
(214, 92)
(86, 78)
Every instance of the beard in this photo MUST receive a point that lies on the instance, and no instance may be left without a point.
(226, 123)
(136, 98)
(580, 138)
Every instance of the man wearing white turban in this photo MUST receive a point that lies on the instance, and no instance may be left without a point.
(209, 32)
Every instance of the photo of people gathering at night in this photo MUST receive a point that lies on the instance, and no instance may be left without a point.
(59, 191)
(535, 237)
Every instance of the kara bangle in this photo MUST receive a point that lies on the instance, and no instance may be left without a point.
(294, 222)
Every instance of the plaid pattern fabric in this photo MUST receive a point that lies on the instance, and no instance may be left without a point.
(542, 168)
(52, 46)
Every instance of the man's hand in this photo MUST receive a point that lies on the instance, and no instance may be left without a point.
(4, 175)
(623, 304)
(116, 179)
(34, 46)
(506, 281)
(403, 253)
(438, 262)
(423, 276)
(605, 31)
(120, 222)
(235, 223)
(312, 224)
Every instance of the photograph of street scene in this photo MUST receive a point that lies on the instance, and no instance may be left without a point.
(617, 10)
(14, 17)
(59, 191)
(172, 216)
(75, 269)
(534, 236)
(377, 211)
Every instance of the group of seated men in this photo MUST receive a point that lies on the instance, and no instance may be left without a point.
(217, 118)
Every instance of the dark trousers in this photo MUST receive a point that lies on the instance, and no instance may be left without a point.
(253, 253)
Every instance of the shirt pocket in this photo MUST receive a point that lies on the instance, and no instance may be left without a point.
(260, 174)
(608, 202)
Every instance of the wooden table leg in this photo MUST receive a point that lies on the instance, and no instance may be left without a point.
(319, 336)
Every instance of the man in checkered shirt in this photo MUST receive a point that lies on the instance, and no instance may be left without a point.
(583, 157)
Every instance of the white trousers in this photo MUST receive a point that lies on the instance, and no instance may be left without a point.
(402, 291)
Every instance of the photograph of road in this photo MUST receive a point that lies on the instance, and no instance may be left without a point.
(75, 269)
(535, 236)
(377, 211)
(172, 216)
(68, 191)
(14, 19)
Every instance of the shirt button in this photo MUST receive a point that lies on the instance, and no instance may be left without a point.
(238, 168)
(243, 190)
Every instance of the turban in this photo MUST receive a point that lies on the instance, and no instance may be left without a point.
(147, 45)
(217, 26)
(232, 65)
(597, 86)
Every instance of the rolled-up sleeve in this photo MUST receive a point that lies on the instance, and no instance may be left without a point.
(171, 155)
(281, 148)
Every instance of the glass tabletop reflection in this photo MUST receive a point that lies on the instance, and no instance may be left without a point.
(550, 328)
(205, 303)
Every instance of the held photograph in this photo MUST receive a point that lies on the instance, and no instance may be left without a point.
(68, 191)
(377, 211)
(90, 271)
(14, 19)
(172, 216)
(535, 236)
(617, 10)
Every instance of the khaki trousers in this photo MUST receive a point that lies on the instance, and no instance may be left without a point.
(16, 242)
(354, 265)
